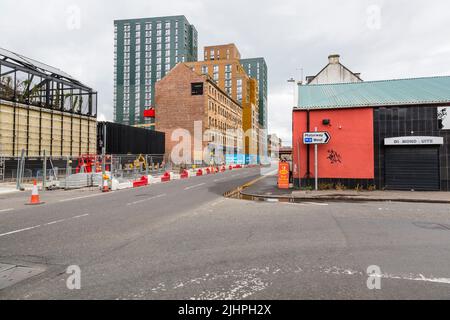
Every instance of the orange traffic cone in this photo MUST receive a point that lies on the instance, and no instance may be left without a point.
(105, 185)
(35, 200)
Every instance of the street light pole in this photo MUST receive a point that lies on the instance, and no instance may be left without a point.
(297, 166)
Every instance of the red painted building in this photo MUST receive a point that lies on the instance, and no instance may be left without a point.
(388, 134)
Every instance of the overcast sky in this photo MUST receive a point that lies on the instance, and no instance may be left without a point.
(381, 39)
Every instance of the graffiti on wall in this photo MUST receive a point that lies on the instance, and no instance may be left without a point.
(334, 157)
(444, 118)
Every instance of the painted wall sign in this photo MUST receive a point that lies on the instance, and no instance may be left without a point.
(444, 118)
(411, 141)
(316, 137)
(283, 175)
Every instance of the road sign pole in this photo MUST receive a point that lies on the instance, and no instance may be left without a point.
(316, 178)
(316, 167)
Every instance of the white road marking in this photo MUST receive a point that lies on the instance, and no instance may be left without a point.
(217, 203)
(55, 222)
(316, 204)
(221, 179)
(6, 210)
(196, 186)
(41, 225)
(84, 197)
(294, 204)
(81, 216)
(145, 200)
(20, 230)
(410, 277)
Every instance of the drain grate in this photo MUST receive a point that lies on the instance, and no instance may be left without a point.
(12, 274)
(432, 226)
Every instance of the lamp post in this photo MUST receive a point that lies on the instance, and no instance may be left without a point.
(297, 166)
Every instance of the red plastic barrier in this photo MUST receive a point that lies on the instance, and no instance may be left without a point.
(141, 183)
(165, 177)
(184, 174)
(199, 172)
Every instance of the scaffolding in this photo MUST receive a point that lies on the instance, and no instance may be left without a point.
(42, 107)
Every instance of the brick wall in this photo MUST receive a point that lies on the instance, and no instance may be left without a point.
(176, 107)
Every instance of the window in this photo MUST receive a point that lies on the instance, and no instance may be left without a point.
(204, 69)
(197, 89)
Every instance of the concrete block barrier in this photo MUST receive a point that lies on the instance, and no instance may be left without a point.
(153, 180)
(174, 176)
(123, 185)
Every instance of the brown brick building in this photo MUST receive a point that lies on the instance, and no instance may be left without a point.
(222, 64)
(185, 98)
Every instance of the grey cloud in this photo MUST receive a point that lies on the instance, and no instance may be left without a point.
(291, 34)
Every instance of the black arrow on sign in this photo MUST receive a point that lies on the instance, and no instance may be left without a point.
(328, 137)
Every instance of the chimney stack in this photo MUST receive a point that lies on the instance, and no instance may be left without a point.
(333, 58)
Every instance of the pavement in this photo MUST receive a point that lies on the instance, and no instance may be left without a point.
(267, 188)
(184, 240)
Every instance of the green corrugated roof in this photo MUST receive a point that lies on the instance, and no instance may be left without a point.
(433, 90)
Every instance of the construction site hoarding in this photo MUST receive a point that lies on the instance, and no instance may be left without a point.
(35, 130)
(124, 139)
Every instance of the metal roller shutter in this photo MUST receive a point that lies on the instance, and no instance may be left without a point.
(412, 168)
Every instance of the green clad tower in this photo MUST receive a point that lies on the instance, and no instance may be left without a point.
(257, 68)
(145, 50)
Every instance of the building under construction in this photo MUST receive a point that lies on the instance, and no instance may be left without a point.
(44, 109)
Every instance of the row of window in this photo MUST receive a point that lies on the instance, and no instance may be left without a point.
(149, 25)
(148, 41)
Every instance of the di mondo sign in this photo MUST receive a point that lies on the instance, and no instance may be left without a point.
(316, 138)
(414, 141)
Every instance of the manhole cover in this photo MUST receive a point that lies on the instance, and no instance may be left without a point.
(432, 226)
(11, 274)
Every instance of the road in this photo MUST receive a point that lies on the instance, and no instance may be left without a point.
(184, 240)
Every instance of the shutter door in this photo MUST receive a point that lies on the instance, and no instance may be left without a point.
(408, 168)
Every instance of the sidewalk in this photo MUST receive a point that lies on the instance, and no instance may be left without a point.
(6, 188)
(267, 188)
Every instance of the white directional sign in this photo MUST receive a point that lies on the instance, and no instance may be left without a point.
(316, 137)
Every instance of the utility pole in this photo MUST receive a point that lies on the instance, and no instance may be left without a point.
(103, 155)
(44, 176)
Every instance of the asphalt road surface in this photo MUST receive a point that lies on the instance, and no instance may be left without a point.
(184, 240)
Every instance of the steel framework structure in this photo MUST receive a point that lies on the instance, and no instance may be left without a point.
(24, 80)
